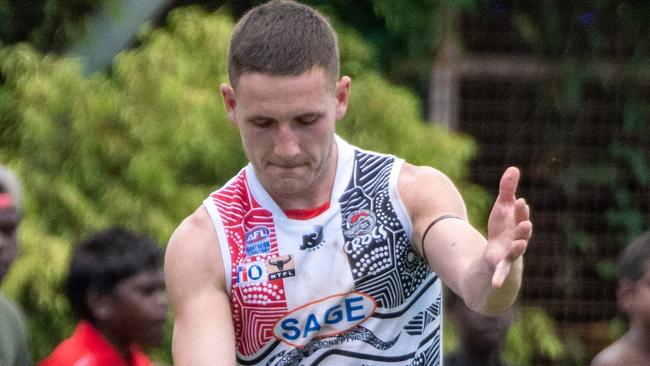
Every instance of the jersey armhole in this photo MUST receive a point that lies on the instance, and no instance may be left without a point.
(215, 217)
(400, 208)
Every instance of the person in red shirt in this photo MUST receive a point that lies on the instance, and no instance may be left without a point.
(116, 288)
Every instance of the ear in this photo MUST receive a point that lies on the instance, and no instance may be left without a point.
(625, 294)
(99, 305)
(228, 94)
(342, 96)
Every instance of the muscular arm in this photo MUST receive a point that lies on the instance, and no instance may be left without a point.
(203, 330)
(485, 273)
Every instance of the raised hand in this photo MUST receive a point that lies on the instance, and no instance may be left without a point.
(509, 228)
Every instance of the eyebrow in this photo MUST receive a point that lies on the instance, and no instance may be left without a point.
(310, 114)
(299, 116)
(254, 117)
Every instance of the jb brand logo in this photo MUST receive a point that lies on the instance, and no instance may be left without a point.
(326, 317)
(313, 241)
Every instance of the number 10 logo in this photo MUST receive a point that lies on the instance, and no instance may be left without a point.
(252, 272)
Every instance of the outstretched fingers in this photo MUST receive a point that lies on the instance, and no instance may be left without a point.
(502, 269)
(522, 211)
(523, 230)
(508, 185)
(517, 232)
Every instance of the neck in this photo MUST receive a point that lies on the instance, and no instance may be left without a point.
(123, 348)
(639, 337)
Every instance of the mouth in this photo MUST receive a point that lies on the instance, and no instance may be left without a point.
(286, 168)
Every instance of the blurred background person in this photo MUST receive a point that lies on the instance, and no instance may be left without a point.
(14, 338)
(116, 288)
(480, 338)
(633, 294)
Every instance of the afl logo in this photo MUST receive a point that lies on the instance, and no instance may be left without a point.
(324, 318)
(257, 241)
(359, 223)
(258, 233)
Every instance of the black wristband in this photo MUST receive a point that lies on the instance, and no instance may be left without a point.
(443, 217)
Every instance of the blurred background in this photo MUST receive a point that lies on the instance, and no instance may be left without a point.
(110, 114)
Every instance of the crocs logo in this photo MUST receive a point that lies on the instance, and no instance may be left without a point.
(360, 222)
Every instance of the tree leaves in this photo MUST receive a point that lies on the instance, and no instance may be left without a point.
(141, 146)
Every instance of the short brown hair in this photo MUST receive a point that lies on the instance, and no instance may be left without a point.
(282, 38)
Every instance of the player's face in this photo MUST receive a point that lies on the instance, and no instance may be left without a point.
(287, 125)
(140, 304)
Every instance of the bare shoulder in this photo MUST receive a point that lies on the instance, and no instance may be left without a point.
(618, 353)
(427, 192)
(193, 252)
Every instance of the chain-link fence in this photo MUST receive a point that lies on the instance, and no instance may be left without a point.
(577, 127)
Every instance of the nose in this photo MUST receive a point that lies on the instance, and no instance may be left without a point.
(286, 141)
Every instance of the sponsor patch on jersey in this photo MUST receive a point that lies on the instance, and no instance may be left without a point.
(359, 223)
(280, 267)
(327, 317)
(252, 272)
(313, 241)
(361, 229)
(257, 241)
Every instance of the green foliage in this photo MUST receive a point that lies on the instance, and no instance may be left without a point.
(402, 34)
(378, 111)
(531, 337)
(47, 25)
(558, 28)
(142, 146)
(576, 35)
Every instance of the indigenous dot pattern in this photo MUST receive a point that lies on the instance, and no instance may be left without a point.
(383, 262)
(405, 327)
(255, 306)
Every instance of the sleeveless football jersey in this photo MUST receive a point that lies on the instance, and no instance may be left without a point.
(343, 288)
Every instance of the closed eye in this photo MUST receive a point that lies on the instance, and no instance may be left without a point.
(308, 119)
(261, 122)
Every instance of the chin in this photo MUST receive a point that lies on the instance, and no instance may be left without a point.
(286, 188)
(285, 185)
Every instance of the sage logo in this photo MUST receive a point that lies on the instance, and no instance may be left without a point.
(257, 241)
(326, 317)
(313, 241)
